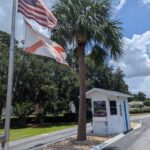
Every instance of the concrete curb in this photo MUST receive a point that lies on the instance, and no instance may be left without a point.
(97, 147)
(108, 142)
(47, 144)
(114, 139)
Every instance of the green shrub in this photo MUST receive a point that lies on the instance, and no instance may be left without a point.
(21, 110)
(136, 104)
(142, 110)
(147, 103)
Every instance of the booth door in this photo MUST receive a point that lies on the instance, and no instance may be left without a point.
(122, 116)
(125, 116)
(114, 117)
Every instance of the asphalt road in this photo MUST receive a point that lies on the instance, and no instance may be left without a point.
(36, 141)
(136, 140)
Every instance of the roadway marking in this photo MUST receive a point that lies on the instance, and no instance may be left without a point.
(45, 134)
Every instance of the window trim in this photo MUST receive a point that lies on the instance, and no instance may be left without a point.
(94, 112)
(114, 107)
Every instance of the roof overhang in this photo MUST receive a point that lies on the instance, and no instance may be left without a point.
(91, 92)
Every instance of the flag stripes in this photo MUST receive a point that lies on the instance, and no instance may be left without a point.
(39, 12)
(36, 43)
(34, 47)
(36, 18)
(22, 4)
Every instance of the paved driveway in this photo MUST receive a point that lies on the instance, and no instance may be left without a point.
(36, 141)
(136, 140)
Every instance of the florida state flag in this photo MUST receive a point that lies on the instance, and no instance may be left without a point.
(37, 43)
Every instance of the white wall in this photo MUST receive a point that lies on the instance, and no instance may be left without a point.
(111, 124)
(116, 121)
(100, 124)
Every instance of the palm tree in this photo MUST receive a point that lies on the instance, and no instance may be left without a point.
(83, 21)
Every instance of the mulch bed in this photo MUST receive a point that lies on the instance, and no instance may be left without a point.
(73, 144)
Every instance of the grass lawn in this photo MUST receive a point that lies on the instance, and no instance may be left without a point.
(16, 134)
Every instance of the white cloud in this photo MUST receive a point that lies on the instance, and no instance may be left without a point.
(139, 84)
(120, 4)
(145, 2)
(136, 62)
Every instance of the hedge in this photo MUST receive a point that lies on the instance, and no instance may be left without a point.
(66, 118)
(147, 102)
(142, 110)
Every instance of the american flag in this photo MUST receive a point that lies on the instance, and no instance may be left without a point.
(37, 11)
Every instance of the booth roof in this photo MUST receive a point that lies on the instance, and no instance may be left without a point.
(106, 92)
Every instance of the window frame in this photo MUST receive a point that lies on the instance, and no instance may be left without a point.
(111, 107)
(95, 112)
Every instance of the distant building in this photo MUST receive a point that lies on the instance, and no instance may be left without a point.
(72, 107)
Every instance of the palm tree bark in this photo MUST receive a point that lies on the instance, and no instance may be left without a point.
(81, 135)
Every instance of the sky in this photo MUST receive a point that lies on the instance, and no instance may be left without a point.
(135, 18)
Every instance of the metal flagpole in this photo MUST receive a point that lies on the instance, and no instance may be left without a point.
(10, 77)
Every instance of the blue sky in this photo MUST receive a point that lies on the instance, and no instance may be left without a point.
(135, 18)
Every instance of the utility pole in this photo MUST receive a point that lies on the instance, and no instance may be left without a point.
(10, 78)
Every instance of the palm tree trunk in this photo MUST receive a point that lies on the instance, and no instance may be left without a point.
(81, 135)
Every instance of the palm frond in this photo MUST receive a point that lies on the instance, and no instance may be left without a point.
(90, 19)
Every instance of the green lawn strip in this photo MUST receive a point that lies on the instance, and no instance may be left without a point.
(16, 134)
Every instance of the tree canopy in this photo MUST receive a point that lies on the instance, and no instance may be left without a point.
(51, 86)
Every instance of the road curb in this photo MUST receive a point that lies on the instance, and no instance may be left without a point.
(108, 142)
(114, 139)
(47, 144)
(97, 147)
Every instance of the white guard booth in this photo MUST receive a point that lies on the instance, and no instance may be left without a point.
(110, 111)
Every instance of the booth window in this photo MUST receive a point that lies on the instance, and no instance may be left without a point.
(113, 107)
(99, 109)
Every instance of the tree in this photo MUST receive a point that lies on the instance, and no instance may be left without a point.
(81, 21)
(147, 102)
(44, 83)
(3, 73)
(141, 96)
(22, 110)
(103, 76)
(118, 83)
